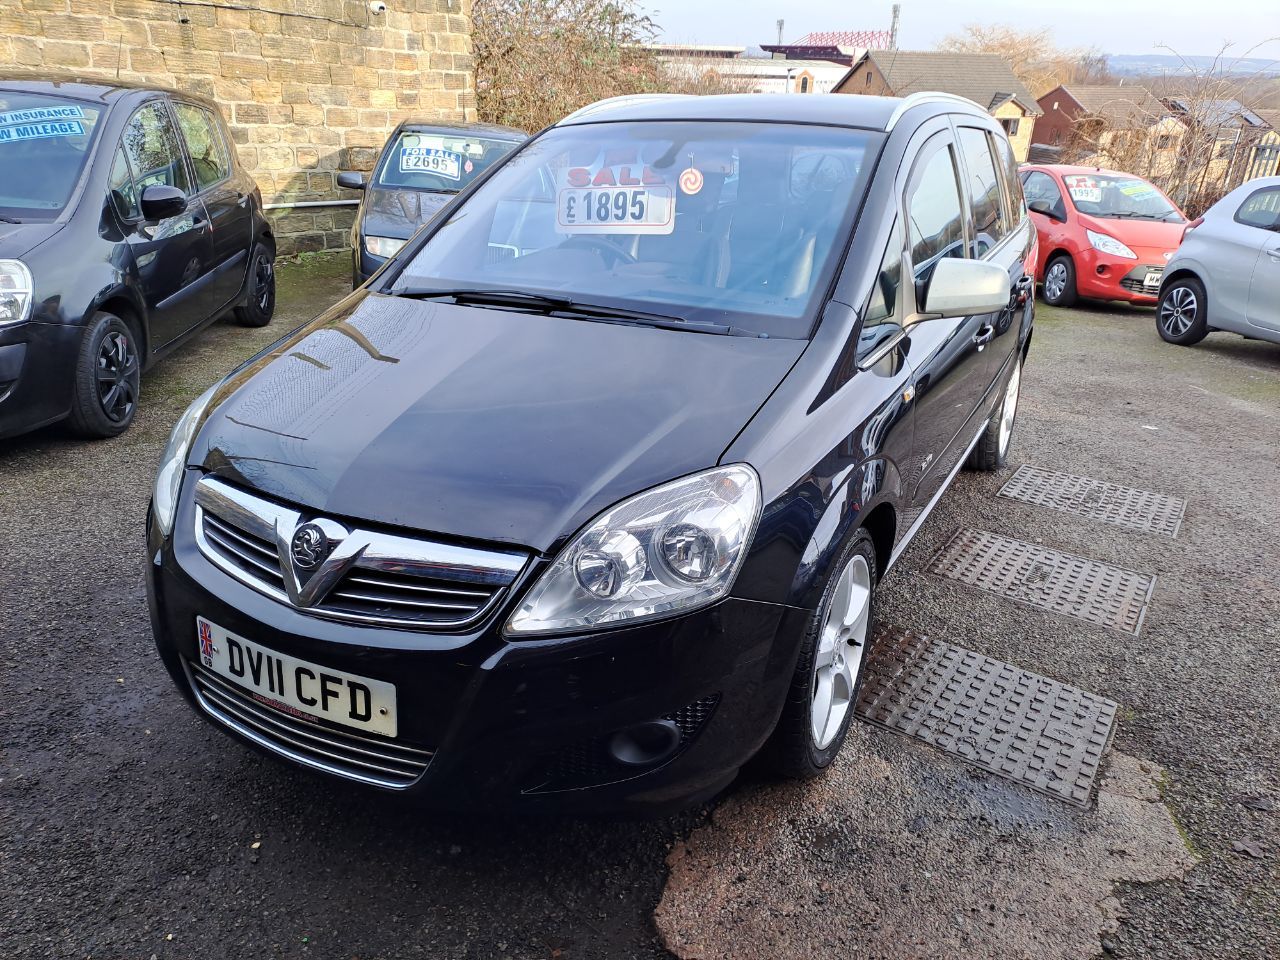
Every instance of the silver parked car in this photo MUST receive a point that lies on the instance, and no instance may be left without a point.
(1226, 274)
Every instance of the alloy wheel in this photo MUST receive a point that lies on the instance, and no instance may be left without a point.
(263, 270)
(117, 376)
(1178, 311)
(840, 647)
(1055, 281)
(1009, 412)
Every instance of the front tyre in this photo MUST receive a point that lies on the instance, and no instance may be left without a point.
(1060, 282)
(1181, 315)
(260, 304)
(108, 376)
(992, 449)
(829, 671)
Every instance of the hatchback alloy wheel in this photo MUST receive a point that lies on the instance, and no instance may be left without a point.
(1055, 281)
(839, 659)
(1179, 311)
(117, 377)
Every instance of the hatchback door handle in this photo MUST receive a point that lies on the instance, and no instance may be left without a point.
(1274, 254)
(984, 336)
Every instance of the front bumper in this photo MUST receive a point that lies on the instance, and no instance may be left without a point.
(37, 363)
(518, 723)
(1102, 276)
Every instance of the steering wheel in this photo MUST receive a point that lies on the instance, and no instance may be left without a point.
(612, 252)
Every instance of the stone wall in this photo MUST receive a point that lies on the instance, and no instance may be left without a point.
(309, 87)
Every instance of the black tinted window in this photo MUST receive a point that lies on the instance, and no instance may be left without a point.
(984, 190)
(151, 144)
(208, 150)
(1262, 209)
(935, 226)
(883, 316)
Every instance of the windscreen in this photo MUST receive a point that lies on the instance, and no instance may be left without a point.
(44, 142)
(1118, 197)
(439, 162)
(723, 222)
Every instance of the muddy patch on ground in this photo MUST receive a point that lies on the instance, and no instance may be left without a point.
(900, 852)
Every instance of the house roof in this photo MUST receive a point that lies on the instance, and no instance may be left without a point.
(1270, 117)
(1216, 113)
(1120, 105)
(985, 78)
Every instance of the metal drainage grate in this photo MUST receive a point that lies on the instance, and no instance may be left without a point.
(1098, 500)
(1027, 728)
(1058, 582)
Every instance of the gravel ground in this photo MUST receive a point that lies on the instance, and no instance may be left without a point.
(129, 828)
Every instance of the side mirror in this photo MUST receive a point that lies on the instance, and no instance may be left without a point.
(351, 180)
(160, 202)
(962, 288)
(1044, 207)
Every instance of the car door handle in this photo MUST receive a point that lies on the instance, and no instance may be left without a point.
(1274, 254)
(984, 336)
(1023, 289)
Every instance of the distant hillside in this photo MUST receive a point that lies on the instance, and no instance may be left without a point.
(1164, 64)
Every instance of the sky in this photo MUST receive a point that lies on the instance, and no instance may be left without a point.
(1190, 27)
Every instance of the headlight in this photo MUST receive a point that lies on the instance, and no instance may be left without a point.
(675, 547)
(383, 246)
(15, 291)
(164, 498)
(1106, 244)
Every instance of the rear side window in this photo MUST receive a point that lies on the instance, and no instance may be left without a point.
(203, 136)
(151, 144)
(1017, 207)
(935, 223)
(1262, 209)
(989, 226)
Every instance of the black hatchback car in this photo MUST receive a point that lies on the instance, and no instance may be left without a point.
(584, 500)
(422, 166)
(126, 224)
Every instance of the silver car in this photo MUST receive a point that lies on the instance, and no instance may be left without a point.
(1226, 274)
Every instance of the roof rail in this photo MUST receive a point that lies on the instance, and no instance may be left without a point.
(625, 100)
(929, 96)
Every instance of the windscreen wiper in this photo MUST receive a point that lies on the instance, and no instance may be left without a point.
(543, 303)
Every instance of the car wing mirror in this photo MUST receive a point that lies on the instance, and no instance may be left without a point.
(161, 201)
(351, 180)
(962, 288)
(1045, 208)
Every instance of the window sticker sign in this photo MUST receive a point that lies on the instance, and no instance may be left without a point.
(37, 131)
(620, 198)
(1083, 189)
(443, 163)
(38, 114)
(1138, 190)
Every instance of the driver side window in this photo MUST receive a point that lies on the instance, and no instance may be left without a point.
(151, 144)
(935, 219)
(1040, 187)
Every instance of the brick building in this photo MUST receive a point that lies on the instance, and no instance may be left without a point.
(309, 86)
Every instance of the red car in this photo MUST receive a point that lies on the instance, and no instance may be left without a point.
(1103, 234)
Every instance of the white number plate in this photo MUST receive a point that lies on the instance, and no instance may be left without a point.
(444, 163)
(298, 687)
(616, 210)
(1152, 279)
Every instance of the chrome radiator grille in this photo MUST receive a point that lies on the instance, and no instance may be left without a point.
(363, 576)
(369, 759)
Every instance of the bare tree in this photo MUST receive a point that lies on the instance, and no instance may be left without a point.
(1032, 55)
(538, 60)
